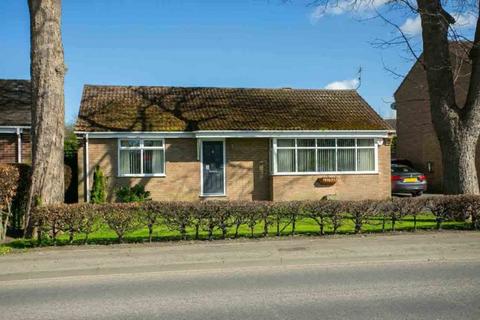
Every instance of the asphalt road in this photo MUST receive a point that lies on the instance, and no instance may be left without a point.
(426, 276)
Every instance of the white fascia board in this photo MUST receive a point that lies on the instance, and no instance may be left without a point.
(294, 134)
(137, 134)
(12, 129)
(243, 134)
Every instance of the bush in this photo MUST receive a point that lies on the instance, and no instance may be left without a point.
(224, 218)
(14, 182)
(9, 177)
(136, 193)
(121, 218)
(98, 193)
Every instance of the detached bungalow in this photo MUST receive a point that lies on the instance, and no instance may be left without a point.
(15, 123)
(237, 144)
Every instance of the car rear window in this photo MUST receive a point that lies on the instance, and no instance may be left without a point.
(402, 169)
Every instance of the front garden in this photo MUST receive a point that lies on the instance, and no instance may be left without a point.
(161, 221)
(138, 219)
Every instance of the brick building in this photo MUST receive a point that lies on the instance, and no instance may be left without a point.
(15, 121)
(238, 144)
(417, 139)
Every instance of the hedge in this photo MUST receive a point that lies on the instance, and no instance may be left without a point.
(228, 216)
(14, 181)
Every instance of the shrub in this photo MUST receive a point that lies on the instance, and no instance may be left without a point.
(98, 193)
(14, 183)
(225, 216)
(360, 211)
(9, 178)
(150, 213)
(178, 216)
(318, 211)
(121, 218)
(136, 193)
(440, 207)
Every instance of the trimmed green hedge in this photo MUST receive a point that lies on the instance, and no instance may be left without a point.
(227, 218)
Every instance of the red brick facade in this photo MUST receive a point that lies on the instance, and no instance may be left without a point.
(417, 140)
(248, 174)
(9, 145)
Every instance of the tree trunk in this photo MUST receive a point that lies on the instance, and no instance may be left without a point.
(459, 167)
(457, 128)
(48, 106)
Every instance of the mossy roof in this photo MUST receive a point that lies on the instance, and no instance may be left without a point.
(15, 102)
(129, 108)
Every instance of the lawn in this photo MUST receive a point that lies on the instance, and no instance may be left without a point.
(304, 226)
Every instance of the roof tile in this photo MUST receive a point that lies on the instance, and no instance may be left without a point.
(129, 108)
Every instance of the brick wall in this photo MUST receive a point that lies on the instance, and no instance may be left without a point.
(417, 139)
(182, 180)
(8, 148)
(347, 187)
(248, 174)
(248, 169)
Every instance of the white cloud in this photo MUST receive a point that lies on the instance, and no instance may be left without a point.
(343, 85)
(334, 8)
(413, 26)
(467, 20)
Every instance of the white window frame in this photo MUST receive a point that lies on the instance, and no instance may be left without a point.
(142, 148)
(275, 149)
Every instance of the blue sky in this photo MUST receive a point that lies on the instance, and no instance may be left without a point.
(234, 43)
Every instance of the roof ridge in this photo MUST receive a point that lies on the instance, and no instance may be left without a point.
(217, 88)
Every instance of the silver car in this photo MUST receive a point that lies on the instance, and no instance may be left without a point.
(407, 180)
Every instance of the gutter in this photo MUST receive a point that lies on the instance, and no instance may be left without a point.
(241, 134)
(12, 129)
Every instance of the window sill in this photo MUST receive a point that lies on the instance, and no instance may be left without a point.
(325, 173)
(212, 195)
(141, 176)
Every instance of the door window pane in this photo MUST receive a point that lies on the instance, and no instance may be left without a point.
(326, 160)
(286, 142)
(306, 160)
(153, 161)
(346, 159)
(286, 160)
(366, 160)
(130, 162)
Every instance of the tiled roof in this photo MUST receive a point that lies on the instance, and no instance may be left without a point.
(124, 108)
(392, 123)
(15, 102)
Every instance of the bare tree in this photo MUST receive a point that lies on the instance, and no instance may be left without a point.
(48, 104)
(457, 126)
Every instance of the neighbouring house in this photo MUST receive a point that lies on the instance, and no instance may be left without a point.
(15, 121)
(417, 139)
(238, 144)
(392, 122)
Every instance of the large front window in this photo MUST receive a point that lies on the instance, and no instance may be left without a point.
(141, 157)
(324, 155)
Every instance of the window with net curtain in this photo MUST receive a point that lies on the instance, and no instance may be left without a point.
(142, 157)
(325, 155)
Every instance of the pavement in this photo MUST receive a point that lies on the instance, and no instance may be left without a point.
(429, 275)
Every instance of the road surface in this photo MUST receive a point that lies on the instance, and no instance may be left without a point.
(408, 276)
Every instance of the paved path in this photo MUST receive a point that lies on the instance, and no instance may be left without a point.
(409, 276)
